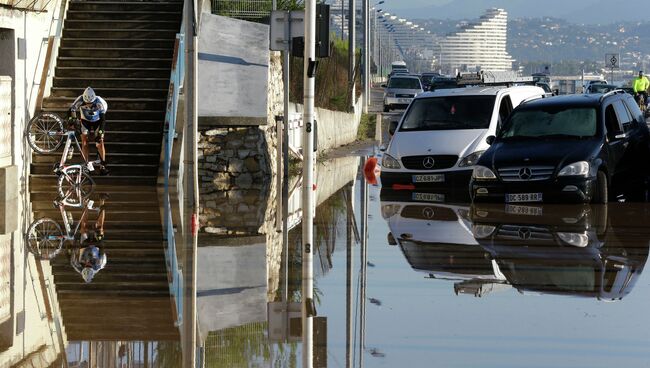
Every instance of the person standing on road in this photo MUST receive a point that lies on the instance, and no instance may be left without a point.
(640, 86)
(91, 110)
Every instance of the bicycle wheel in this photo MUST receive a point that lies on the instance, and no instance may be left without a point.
(75, 183)
(44, 238)
(45, 132)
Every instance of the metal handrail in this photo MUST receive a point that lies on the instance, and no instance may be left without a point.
(175, 275)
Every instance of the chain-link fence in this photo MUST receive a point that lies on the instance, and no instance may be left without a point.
(253, 10)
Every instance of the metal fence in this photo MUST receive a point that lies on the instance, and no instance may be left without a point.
(28, 5)
(243, 9)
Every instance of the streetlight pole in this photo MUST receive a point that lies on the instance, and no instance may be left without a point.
(366, 57)
(352, 20)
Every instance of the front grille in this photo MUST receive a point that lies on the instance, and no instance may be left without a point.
(526, 173)
(439, 162)
(513, 232)
(404, 95)
(432, 213)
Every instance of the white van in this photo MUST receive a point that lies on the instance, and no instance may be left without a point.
(443, 133)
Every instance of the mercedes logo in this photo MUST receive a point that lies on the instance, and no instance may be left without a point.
(524, 233)
(427, 213)
(428, 162)
(525, 173)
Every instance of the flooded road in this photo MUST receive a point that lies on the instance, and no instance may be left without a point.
(438, 282)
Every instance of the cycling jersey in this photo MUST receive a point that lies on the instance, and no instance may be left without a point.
(99, 103)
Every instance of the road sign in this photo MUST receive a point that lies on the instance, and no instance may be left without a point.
(281, 36)
(612, 61)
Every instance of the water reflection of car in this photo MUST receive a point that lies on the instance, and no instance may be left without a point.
(436, 239)
(586, 250)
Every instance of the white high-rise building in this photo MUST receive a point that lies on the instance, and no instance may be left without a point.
(478, 46)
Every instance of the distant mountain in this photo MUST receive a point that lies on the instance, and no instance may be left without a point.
(577, 11)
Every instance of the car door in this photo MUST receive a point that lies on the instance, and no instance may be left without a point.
(616, 144)
(505, 108)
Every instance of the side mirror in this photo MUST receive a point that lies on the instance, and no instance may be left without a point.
(490, 139)
(383, 86)
(391, 239)
(620, 135)
(392, 127)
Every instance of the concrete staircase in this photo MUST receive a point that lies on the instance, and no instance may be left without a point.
(123, 49)
(129, 299)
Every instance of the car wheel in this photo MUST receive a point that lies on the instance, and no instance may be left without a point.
(386, 108)
(600, 190)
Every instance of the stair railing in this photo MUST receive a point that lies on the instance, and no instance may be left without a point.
(175, 275)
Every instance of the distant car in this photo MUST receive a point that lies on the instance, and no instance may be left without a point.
(400, 91)
(601, 88)
(442, 83)
(427, 78)
(565, 148)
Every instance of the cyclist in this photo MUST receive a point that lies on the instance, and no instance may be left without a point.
(640, 86)
(91, 110)
(90, 258)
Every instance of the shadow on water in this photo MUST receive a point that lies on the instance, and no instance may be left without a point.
(596, 251)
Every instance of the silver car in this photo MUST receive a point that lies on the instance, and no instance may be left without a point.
(400, 91)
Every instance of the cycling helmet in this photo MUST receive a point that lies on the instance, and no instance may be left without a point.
(87, 274)
(89, 95)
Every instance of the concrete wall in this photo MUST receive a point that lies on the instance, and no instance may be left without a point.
(233, 71)
(24, 65)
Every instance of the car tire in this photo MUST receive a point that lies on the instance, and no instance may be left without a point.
(386, 108)
(601, 194)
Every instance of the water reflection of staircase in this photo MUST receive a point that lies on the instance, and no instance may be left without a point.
(129, 299)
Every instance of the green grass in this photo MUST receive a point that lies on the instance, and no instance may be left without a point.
(367, 127)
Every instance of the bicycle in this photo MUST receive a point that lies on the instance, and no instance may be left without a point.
(45, 238)
(45, 134)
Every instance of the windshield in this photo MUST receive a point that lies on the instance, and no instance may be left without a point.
(569, 122)
(449, 113)
(404, 83)
(395, 67)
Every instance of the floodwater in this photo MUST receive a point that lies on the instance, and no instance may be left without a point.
(437, 282)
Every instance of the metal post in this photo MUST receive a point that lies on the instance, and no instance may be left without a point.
(352, 17)
(281, 127)
(191, 180)
(308, 185)
(364, 262)
(366, 57)
(349, 328)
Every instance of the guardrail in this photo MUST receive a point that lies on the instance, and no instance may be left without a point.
(174, 274)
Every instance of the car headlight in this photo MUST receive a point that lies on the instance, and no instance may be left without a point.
(580, 168)
(482, 231)
(390, 95)
(483, 173)
(390, 162)
(575, 239)
(470, 160)
(390, 210)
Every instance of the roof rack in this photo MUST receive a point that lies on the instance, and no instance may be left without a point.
(485, 77)
(610, 93)
(532, 98)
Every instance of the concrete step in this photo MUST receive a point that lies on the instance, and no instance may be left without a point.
(82, 83)
(89, 72)
(114, 103)
(118, 43)
(149, 15)
(116, 169)
(118, 114)
(113, 52)
(126, 6)
(120, 33)
(113, 62)
(123, 23)
(50, 180)
(108, 93)
(116, 158)
(123, 147)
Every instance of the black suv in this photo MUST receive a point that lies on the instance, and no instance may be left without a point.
(572, 147)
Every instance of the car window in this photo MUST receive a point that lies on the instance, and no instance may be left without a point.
(505, 108)
(611, 120)
(404, 83)
(633, 107)
(624, 116)
(564, 122)
(449, 113)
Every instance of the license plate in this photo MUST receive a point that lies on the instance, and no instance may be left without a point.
(524, 197)
(432, 178)
(428, 197)
(404, 100)
(524, 210)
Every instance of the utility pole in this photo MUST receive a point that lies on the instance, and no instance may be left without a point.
(308, 306)
(352, 17)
